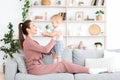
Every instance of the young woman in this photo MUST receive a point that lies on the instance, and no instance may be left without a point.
(34, 51)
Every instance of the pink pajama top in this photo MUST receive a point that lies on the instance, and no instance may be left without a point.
(33, 58)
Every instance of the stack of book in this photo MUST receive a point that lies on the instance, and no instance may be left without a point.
(97, 2)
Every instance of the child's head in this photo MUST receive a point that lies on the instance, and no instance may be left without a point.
(56, 20)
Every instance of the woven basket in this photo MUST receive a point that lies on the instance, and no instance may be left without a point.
(45, 2)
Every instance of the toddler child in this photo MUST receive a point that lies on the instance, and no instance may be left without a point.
(58, 49)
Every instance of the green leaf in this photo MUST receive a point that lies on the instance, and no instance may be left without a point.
(47, 27)
(11, 45)
(25, 9)
(99, 12)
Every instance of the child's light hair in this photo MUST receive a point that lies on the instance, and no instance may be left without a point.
(57, 17)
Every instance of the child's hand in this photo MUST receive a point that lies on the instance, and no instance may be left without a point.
(53, 55)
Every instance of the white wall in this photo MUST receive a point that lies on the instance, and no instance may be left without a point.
(113, 24)
(10, 11)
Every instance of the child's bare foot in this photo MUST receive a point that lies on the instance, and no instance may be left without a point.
(59, 59)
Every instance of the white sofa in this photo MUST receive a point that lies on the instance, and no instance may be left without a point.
(16, 69)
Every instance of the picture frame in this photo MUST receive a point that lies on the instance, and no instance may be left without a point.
(58, 2)
(79, 16)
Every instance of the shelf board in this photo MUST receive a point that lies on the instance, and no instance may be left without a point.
(45, 21)
(43, 36)
(41, 20)
(86, 36)
(47, 6)
(73, 21)
(85, 7)
(62, 6)
(73, 36)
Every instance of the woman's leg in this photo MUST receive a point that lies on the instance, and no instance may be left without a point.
(74, 68)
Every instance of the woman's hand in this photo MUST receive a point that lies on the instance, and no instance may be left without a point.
(54, 37)
(45, 34)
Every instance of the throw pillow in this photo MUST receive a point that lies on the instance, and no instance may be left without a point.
(47, 59)
(21, 63)
(115, 57)
(79, 56)
(100, 63)
(66, 56)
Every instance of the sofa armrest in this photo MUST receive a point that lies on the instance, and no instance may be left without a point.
(10, 70)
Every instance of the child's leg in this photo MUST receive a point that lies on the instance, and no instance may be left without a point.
(54, 56)
(59, 59)
(59, 48)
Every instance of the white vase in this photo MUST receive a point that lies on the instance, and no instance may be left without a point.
(98, 47)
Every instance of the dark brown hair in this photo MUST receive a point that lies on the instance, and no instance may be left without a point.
(23, 30)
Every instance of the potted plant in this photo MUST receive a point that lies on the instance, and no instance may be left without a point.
(10, 44)
(99, 14)
(98, 45)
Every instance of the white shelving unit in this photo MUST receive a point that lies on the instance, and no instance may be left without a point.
(75, 29)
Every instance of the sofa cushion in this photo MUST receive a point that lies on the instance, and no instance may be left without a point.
(66, 56)
(115, 56)
(100, 63)
(47, 59)
(103, 76)
(21, 62)
(114, 50)
(56, 76)
(79, 56)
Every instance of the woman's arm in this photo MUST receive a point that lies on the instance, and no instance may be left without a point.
(42, 49)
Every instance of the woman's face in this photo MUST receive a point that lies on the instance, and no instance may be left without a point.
(33, 29)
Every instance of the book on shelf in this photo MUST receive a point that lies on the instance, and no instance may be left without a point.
(92, 2)
(103, 2)
(97, 2)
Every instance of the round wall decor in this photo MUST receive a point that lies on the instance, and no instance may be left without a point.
(94, 29)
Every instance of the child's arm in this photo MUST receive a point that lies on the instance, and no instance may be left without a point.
(55, 33)
(52, 34)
